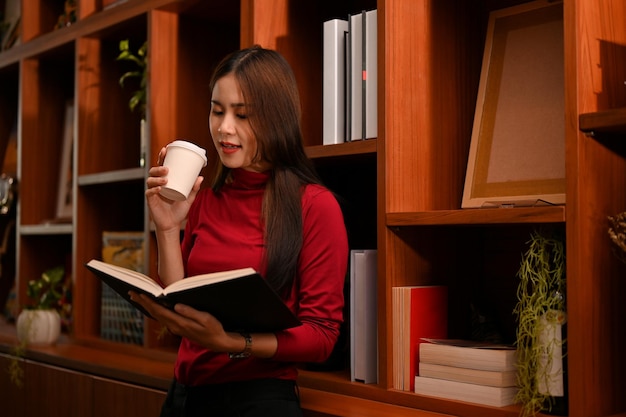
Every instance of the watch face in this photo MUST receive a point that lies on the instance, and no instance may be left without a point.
(240, 355)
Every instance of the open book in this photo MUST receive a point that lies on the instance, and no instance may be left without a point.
(240, 299)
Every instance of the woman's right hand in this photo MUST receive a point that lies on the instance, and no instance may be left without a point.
(165, 213)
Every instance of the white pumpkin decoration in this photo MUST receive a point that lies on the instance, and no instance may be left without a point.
(38, 327)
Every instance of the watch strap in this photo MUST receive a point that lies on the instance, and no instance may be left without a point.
(246, 352)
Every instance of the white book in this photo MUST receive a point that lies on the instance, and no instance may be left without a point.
(469, 354)
(371, 71)
(334, 78)
(474, 376)
(363, 316)
(463, 391)
(363, 75)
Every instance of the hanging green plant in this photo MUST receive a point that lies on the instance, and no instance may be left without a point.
(140, 58)
(541, 306)
(15, 370)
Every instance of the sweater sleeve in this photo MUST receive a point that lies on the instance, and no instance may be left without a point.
(318, 296)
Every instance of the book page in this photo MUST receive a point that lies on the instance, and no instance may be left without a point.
(201, 280)
(134, 278)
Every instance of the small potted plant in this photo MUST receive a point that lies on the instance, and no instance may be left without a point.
(40, 322)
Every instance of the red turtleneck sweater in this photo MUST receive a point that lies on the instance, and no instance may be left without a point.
(224, 232)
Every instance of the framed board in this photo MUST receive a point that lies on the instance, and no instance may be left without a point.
(517, 150)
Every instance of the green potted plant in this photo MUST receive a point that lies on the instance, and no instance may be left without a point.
(40, 322)
(138, 100)
(541, 316)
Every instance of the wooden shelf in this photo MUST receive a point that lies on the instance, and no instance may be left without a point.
(131, 174)
(347, 149)
(333, 404)
(486, 216)
(339, 383)
(608, 121)
(47, 229)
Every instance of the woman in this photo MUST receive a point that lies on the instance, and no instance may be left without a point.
(266, 209)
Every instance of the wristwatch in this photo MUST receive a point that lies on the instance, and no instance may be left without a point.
(246, 351)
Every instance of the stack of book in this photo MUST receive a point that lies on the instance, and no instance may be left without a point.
(463, 370)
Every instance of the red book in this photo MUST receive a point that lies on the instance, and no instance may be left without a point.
(418, 312)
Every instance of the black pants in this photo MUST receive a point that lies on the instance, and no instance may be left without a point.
(257, 398)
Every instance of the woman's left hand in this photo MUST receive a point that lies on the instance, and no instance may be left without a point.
(197, 326)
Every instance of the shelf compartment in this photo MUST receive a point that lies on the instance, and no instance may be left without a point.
(47, 83)
(106, 206)
(108, 132)
(48, 249)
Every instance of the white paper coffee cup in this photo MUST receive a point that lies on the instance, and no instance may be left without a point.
(185, 160)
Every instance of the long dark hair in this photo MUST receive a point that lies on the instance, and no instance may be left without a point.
(269, 87)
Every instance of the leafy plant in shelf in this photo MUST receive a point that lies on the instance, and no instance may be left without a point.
(140, 58)
(46, 292)
(540, 313)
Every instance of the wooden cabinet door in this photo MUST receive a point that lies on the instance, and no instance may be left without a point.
(114, 398)
(56, 392)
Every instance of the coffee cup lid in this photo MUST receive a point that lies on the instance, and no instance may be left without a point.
(191, 146)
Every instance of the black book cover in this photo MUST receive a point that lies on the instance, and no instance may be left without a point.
(245, 303)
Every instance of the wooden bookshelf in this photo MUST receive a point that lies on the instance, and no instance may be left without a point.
(401, 191)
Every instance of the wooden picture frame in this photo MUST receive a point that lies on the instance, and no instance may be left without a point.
(66, 181)
(517, 150)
